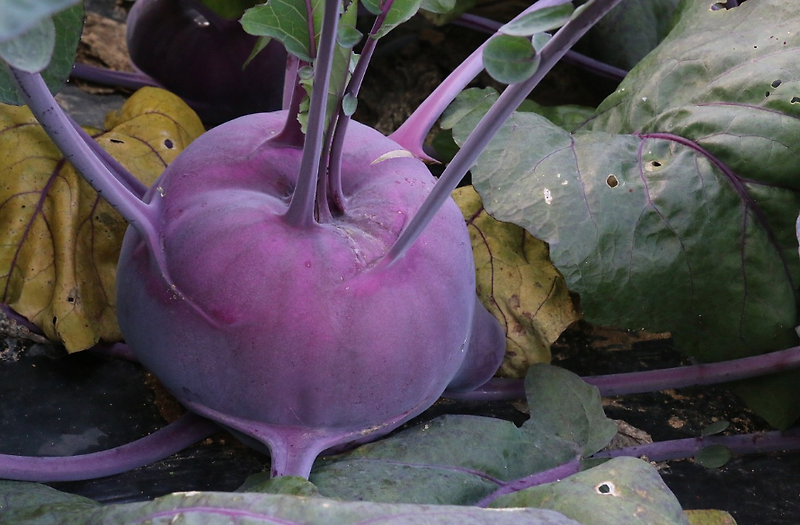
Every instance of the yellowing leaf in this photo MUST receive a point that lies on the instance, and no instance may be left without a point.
(59, 241)
(709, 517)
(518, 284)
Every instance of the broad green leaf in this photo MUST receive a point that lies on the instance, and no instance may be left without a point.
(21, 15)
(458, 459)
(287, 22)
(709, 517)
(631, 30)
(674, 208)
(399, 12)
(621, 491)
(436, 12)
(59, 250)
(438, 6)
(31, 51)
(545, 19)
(510, 59)
(713, 456)
(32, 504)
(518, 284)
(68, 24)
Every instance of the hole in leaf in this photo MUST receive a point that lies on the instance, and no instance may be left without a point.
(766, 94)
(612, 181)
(795, 100)
(776, 83)
(168, 143)
(606, 488)
(55, 320)
(117, 141)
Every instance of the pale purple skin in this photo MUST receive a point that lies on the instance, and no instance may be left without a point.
(298, 336)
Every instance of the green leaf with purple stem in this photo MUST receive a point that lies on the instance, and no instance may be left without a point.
(674, 207)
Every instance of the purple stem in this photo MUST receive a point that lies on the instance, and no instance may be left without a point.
(508, 101)
(540, 478)
(61, 130)
(501, 389)
(109, 77)
(181, 433)
(757, 443)
(353, 88)
(592, 65)
(59, 127)
(301, 209)
(411, 134)
(131, 183)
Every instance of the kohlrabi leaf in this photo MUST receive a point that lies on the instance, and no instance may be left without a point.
(459, 459)
(674, 208)
(631, 30)
(32, 504)
(58, 61)
(31, 51)
(431, 10)
(21, 15)
(518, 284)
(510, 59)
(399, 12)
(438, 6)
(60, 242)
(709, 517)
(622, 491)
(545, 19)
(287, 22)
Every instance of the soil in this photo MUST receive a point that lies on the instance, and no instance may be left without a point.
(55, 404)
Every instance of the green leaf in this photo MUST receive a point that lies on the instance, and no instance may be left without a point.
(458, 459)
(510, 59)
(674, 208)
(399, 12)
(348, 36)
(286, 21)
(68, 24)
(432, 10)
(538, 21)
(631, 30)
(621, 491)
(713, 456)
(349, 104)
(21, 15)
(715, 428)
(438, 6)
(31, 51)
(32, 504)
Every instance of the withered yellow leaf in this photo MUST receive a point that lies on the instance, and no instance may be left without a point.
(518, 284)
(59, 241)
(709, 517)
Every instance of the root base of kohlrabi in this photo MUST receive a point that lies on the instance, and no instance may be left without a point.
(300, 328)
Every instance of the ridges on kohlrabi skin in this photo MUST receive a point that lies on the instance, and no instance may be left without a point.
(305, 294)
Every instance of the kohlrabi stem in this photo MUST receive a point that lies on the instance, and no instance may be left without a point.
(756, 443)
(60, 129)
(301, 209)
(110, 77)
(131, 183)
(499, 389)
(183, 432)
(508, 101)
(597, 67)
(411, 134)
(540, 478)
(290, 80)
(353, 87)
